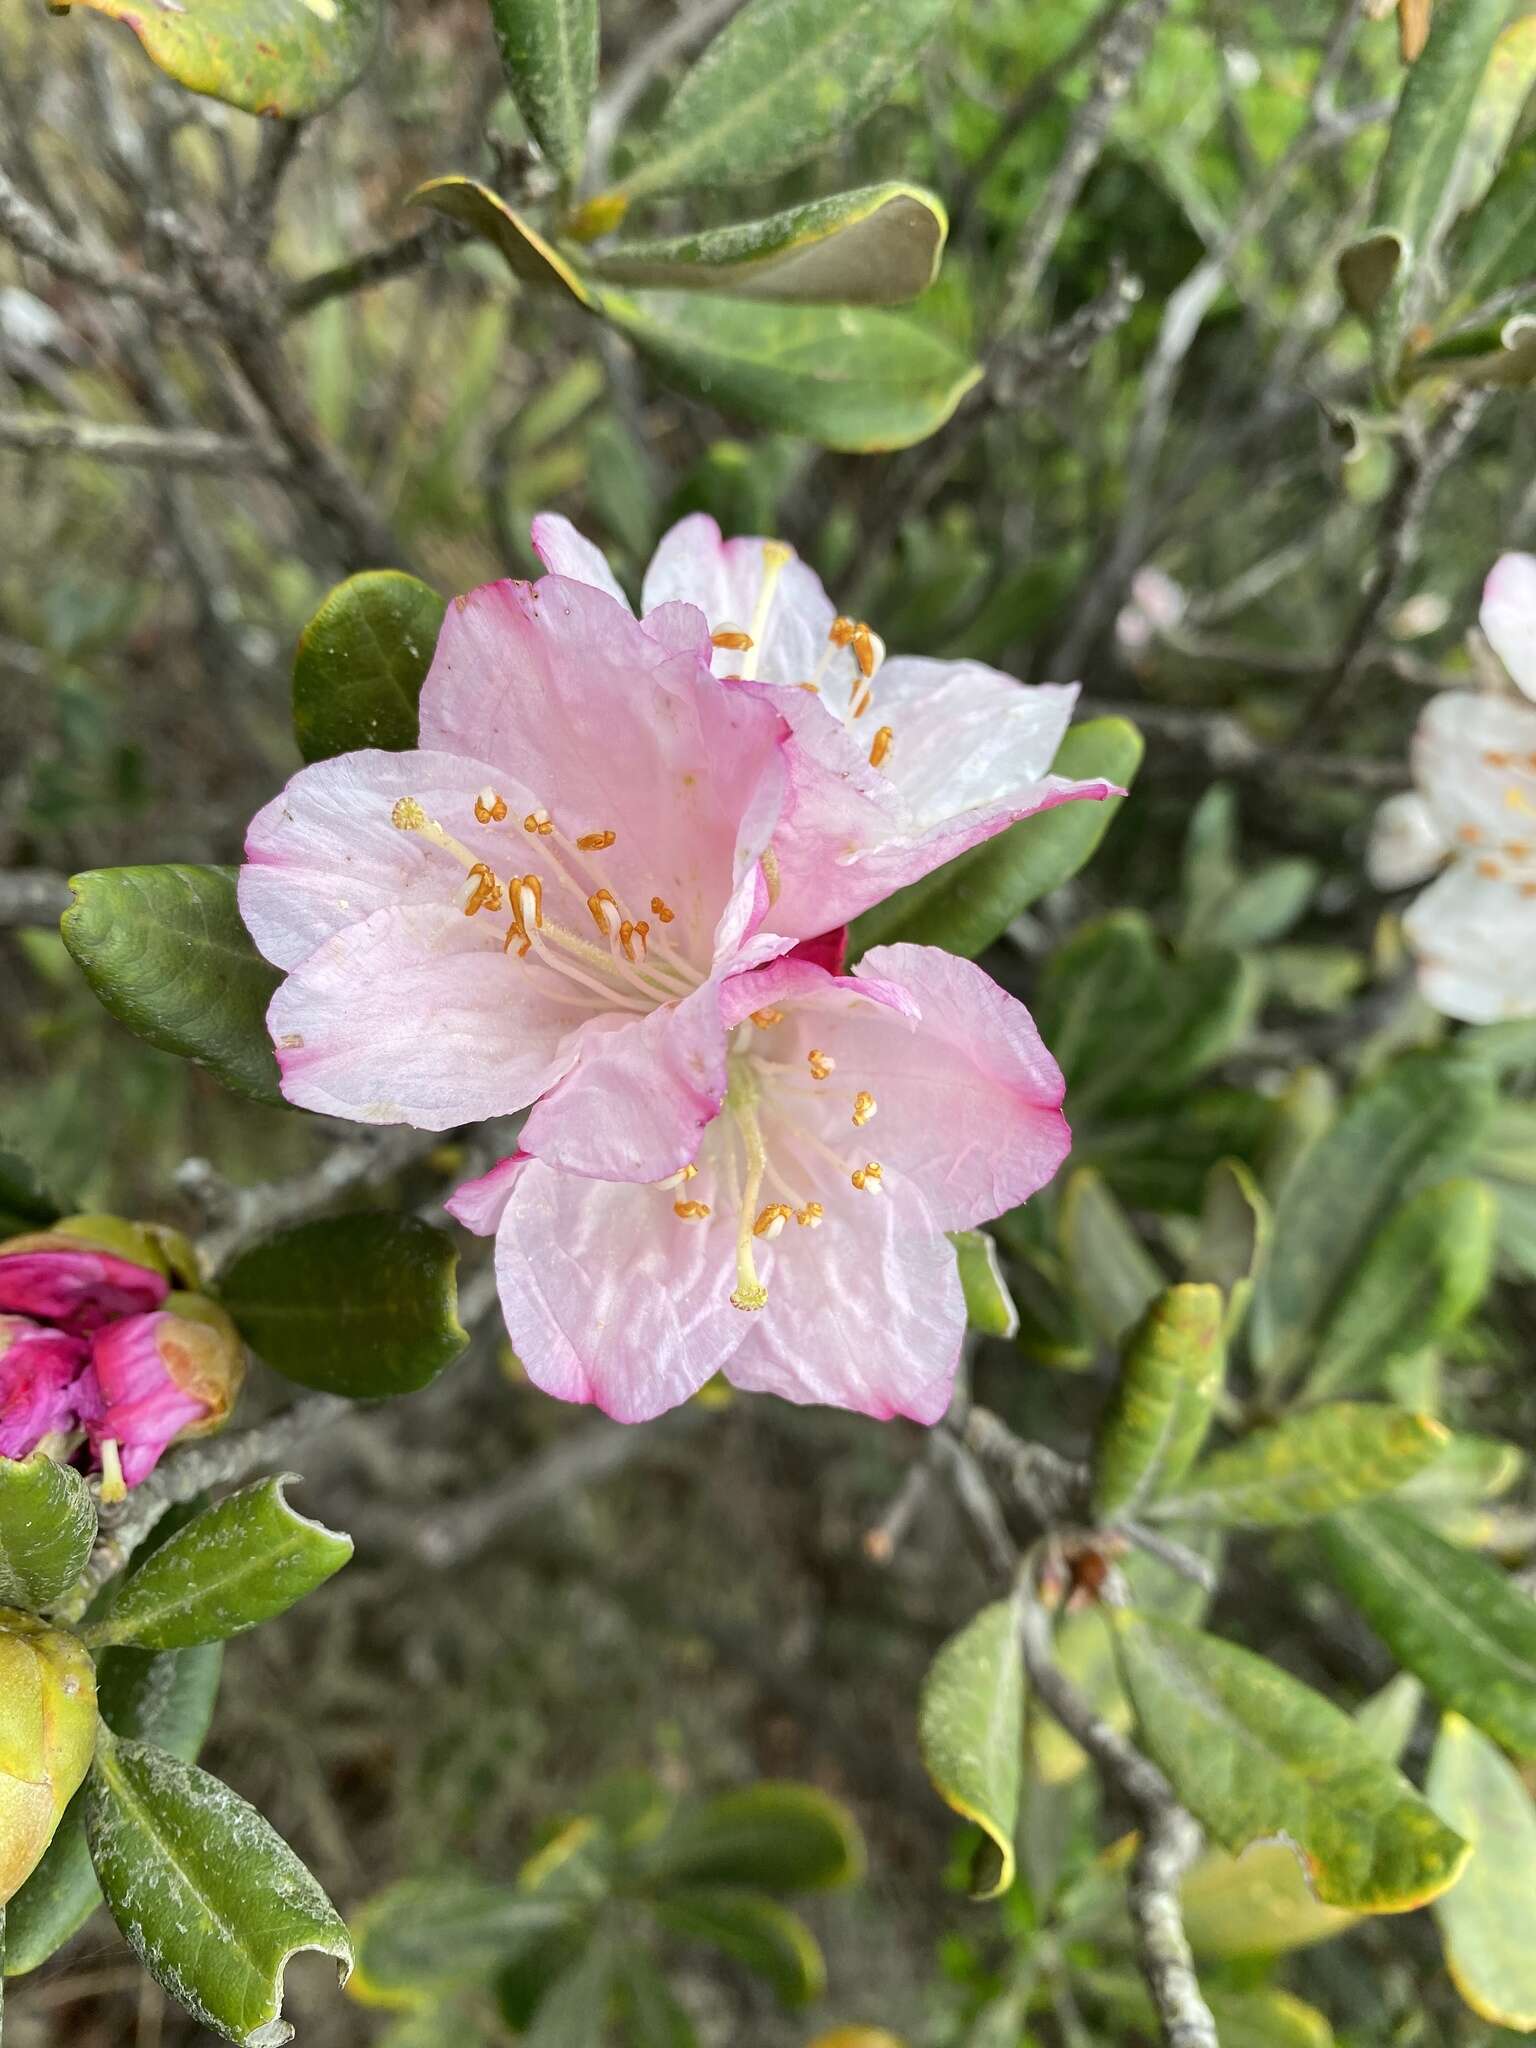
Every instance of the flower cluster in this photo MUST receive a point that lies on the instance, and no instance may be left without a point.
(1473, 817)
(610, 887)
(99, 1349)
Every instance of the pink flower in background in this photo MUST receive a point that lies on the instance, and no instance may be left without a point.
(802, 1251)
(1473, 816)
(898, 764)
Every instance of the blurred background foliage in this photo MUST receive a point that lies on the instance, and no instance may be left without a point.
(1175, 482)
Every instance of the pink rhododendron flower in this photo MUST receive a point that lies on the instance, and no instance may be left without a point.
(899, 764)
(75, 1285)
(802, 1251)
(154, 1379)
(38, 1371)
(1473, 815)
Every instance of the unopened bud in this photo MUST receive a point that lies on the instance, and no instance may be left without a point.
(83, 1272)
(157, 1379)
(47, 1737)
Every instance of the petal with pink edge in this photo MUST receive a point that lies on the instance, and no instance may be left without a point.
(565, 552)
(725, 579)
(417, 1016)
(480, 1204)
(325, 853)
(865, 1313)
(608, 1296)
(1508, 617)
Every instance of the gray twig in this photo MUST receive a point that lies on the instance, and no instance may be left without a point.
(31, 896)
(374, 266)
(244, 1214)
(32, 232)
(155, 447)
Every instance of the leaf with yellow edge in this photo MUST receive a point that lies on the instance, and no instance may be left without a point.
(527, 254)
(970, 1729)
(286, 58)
(1170, 1376)
(1484, 1919)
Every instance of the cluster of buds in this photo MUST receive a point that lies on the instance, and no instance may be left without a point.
(47, 1736)
(107, 1350)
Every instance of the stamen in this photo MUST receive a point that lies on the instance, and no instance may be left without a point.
(595, 842)
(1495, 758)
(731, 637)
(408, 816)
(662, 910)
(842, 631)
(529, 894)
(809, 1218)
(692, 1212)
(484, 890)
(775, 558)
(1469, 835)
(113, 1486)
(881, 747)
(675, 1180)
(772, 1220)
(631, 936)
(867, 1179)
(767, 1018)
(605, 913)
(490, 808)
(539, 821)
(864, 650)
(1490, 869)
(864, 1107)
(821, 1064)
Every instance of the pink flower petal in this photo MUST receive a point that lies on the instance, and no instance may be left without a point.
(1509, 617)
(565, 552)
(608, 1296)
(325, 855)
(724, 578)
(131, 1395)
(480, 1204)
(39, 1369)
(418, 1016)
(1475, 939)
(81, 1289)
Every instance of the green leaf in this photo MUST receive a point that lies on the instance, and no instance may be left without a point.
(1405, 1130)
(1467, 1469)
(770, 1941)
(876, 246)
(989, 1307)
(1261, 2018)
(549, 53)
(1381, 272)
(785, 1837)
(846, 376)
(1259, 908)
(780, 81)
(1483, 1919)
(1113, 1276)
(365, 1305)
(287, 58)
(26, 1202)
(1235, 1227)
(422, 1936)
(210, 1899)
(1420, 1279)
(528, 255)
(47, 1527)
(655, 2018)
(1170, 1377)
(1307, 1466)
(1452, 1618)
(971, 901)
(1253, 1752)
(970, 1730)
(1491, 249)
(165, 952)
(361, 663)
(232, 1566)
(165, 1697)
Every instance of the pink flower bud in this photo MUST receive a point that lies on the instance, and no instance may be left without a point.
(156, 1378)
(38, 1371)
(83, 1273)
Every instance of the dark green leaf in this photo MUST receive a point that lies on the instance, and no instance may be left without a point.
(655, 2018)
(1452, 1618)
(1482, 1918)
(359, 1305)
(1307, 1466)
(572, 2012)
(26, 1202)
(1252, 1752)
(424, 1935)
(780, 81)
(1235, 1227)
(876, 246)
(989, 1307)
(47, 1527)
(165, 952)
(772, 1942)
(1113, 1276)
(1404, 1131)
(1493, 247)
(970, 1730)
(1170, 1377)
(549, 52)
(845, 376)
(232, 1566)
(361, 663)
(783, 1836)
(971, 901)
(288, 57)
(209, 1898)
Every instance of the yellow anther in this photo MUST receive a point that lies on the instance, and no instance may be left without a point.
(881, 747)
(731, 637)
(1528, 889)
(676, 1180)
(595, 842)
(1515, 799)
(528, 895)
(766, 1019)
(629, 934)
(484, 890)
(842, 631)
(605, 913)
(772, 1220)
(867, 1179)
(814, 688)
(864, 650)
(820, 1063)
(408, 816)
(809, 1218)
(1518, 849)
(490, 808)
(539, 821)
(662, 910)
(1490, 869)
(691, 1212)
(864, 1107)
(1469, 835)
(1496, 758)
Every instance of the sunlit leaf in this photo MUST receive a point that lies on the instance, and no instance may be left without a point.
(970, 1730)
(361, 663)
(989, 1307)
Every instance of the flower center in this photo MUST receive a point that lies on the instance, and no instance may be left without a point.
(632, 965)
